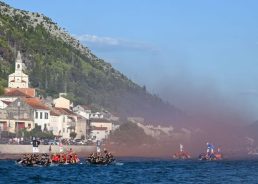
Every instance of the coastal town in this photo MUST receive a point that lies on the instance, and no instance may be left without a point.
(21, 110)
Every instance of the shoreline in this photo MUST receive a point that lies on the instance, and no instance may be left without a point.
(134, 158)
(14, 151)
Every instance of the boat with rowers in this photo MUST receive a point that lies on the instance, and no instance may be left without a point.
(211, 154)
(46, 159)
(181, 154)
(99, 158)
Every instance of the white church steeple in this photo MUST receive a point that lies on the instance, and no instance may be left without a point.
(18, 79)
(18, 63)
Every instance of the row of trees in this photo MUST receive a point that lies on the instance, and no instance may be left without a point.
(36, 132)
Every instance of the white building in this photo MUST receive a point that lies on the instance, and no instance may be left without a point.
(83, 111)
(57, 121)
(64, 121)
(99, 133)
(100, 128)
(41, 112)
(18, 79)
(97, 115)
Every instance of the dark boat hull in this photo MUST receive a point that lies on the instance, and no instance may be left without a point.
(100, 162)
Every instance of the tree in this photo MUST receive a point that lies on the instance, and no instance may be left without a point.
(73, 135)
(83, 137)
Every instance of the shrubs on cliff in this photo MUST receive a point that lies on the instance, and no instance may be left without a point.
(130, 134)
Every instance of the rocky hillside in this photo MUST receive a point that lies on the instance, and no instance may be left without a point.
(57, 62)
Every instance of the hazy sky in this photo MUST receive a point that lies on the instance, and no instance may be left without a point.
(171, 46)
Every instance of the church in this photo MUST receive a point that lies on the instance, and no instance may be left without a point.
(18, 82)
(18, 79)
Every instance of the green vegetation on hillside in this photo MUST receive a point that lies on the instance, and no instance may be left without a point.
(130, 134)
(56, 66)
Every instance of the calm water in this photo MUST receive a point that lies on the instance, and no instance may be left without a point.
(135, 171)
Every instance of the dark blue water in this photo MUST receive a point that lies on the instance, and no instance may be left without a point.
(135, 171)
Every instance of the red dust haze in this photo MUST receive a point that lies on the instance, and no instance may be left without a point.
(208, 115)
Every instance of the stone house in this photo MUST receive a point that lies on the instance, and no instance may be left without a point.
(19, 115)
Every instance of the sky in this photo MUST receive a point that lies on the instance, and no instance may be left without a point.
(182, 50)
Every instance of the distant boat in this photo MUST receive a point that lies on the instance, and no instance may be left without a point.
(181, 154)
(99, 158)
(210, 154)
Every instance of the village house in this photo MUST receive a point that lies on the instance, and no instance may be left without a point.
(83, 111)
(64, 121)
(41, 113)
(4, 120)
(100, 128)
(18, 115)
(62, 102)
(99, 133)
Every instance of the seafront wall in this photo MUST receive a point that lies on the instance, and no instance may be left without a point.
(14, 149)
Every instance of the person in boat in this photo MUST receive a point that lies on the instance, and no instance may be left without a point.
(210, 148)
(35, 145)
(181, 148)
(61, 148)
(50, 149)
(181, 154)
(34, 159)
(99, 158)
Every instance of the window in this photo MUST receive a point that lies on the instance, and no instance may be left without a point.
(29, 126)
(46, 115)
(63, 129)
(37, 115)
(40, 115)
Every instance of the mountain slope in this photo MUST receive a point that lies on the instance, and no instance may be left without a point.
(56, 62)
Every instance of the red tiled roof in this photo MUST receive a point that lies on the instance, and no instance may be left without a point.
(102, 120)
(35, 103)
(22, 92)
(64, 111)
(16, 93)
(99, 128)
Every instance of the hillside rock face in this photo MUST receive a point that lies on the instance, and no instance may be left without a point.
(57, 62)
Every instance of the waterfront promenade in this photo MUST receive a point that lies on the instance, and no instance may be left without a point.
(12, 150)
